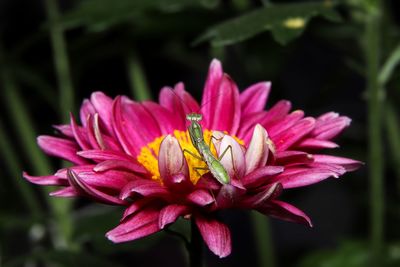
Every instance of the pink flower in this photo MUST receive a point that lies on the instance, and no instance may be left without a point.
(131, 154)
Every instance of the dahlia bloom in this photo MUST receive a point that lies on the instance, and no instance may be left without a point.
(131, 154)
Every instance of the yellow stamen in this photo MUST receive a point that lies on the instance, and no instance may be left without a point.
(148, 155)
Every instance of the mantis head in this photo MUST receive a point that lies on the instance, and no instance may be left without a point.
(194, 117)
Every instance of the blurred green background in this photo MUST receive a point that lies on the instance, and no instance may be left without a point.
(321, 55)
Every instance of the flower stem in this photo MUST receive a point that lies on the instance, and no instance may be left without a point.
(375, 99)
(195, 247)
(61, 62)
(262, 235)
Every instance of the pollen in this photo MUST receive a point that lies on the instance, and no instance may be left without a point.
(148, 155)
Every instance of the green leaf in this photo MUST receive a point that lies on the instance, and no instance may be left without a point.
(98, 15)
(285, 21)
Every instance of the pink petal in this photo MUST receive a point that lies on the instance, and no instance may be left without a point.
(254, 98)
(286, 139)
(170, 100)
(172, 164)
(103, 105)
(211, 90)
(79, 134)
(261, 175)
(61, 148)
(101, 155)
(112, 179)
(85, 189)
(65, 130)
(225, 113)
(216, 235)
(312, 143)
(86, 109)
(284, 211)
(45, 180)
(143, 187)
(189, 103)
(289, 157)
(135, 207)
(167, 120)
(278, 112)
(302, 177)
(200, 197)
(348, 164)
(330, 125)
(247, 124)
(142, 224)
(258, 200)
(234, 159)
(114, 164)
(170, 213)
(125, 130)
(65, 192)
(257, 151)
(288, 122)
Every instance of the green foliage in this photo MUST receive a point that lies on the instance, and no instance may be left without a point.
(285, 21)
(98, 15)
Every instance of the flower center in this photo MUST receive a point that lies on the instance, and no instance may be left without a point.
(148, 155)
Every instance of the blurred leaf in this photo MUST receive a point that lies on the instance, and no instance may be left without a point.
(350, 254)
(285, 21)
(98, 15)
(389, 66)
(393, 134)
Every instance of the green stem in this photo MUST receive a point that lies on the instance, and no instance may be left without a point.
(393, 134)
(139, 87)
(61, 62)
(12, 163)
(61, 207)
(262, 233)
(195, 247)
(375, 99)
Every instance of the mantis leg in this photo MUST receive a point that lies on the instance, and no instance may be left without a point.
(196, 169)
(223, 154)
(192, 154)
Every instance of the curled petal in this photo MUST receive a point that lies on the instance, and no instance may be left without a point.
(257, 152)
(101, 155)
(261, 176)
(330, 125)
(142, 224)
(289, 157)
(136, 206)
(288, 122)
(302, 177)
(170, 213)
(103, 105)
(65, 130)
(216, 235)
(200, 197)
(87, 109)
(258, 200)
(233, 160)
(45, 180)
(65, 192)
(85, 189)
(284, 211)
(172, 163)
(119, 165)
(79, 134)
(189, 103)
(143, 187)
(276, 114)
(312, 143)
(254, 98)
(348, 164)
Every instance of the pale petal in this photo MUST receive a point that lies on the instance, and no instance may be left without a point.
(257, 151)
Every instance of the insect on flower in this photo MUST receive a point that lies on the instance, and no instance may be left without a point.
(143, 157)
